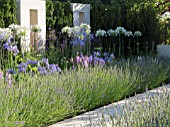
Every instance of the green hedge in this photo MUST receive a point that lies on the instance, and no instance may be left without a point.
(59, 15)
(7, 12)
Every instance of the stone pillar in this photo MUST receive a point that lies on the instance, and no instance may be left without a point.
(32, 12)
(81, 13)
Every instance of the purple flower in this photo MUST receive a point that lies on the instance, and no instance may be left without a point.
(11, 71)
(15, 50)
(101, 62)
(1, 74)
(90, 59)
(92, 36)
(96, 54)
(44, 61)
(32, 62)
(58, 69)
(42, 70)
(77, 59)
(9, 79)
(22, 67)
(53, 68)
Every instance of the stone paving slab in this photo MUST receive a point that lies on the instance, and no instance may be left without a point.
(87, 118)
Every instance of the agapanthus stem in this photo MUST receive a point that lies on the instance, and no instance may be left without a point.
(120, 45)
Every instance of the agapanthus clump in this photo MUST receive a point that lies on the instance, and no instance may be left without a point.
(100, 33)
(80, 37)
(45, 68)
(87, 61)
(120, 30)
(112, 33)
(22, 67)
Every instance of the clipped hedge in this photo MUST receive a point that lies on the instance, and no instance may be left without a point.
(7, 12)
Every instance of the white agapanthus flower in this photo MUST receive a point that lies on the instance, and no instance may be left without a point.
(23, 31)
(100, 33)
(137, 33)
(166, 16)
(5, 33)
(112, 32)
(120, 30)
(35, 28)
(129, 33)
(14, 27)
(65, 29)
(86, 27)
(76, 29)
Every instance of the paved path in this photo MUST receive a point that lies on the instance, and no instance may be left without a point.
(96, 115)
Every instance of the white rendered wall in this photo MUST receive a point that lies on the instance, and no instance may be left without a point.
(164, 50)
(23, 14)
(85, 8)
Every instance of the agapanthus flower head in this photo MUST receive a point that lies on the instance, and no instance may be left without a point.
(15, 50)
(32, 62)
(100, 33)
(112, 33)
(22, 67)
(35, 28)
(65, 29)
(106, 54)
(120, 30)
(97, 54)
(129, 33)
(86, 28)
(5, 34)
(101, 62)
(23, 31)
(14, 27)
(42, 70)
(11, 71)
(137, 33)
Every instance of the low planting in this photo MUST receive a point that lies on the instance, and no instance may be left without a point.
(39, 100)
(154, 111)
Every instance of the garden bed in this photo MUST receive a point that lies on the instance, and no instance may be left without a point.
(41, 100)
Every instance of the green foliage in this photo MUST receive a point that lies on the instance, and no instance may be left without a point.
(7, 12)
(59, 15)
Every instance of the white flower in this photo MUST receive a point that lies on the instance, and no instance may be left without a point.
(85, 27)
(76, 30)
(35, 28)
(166, 16)
(120, 30)
(5, 33)
(100, 33)
(23, 31)
(112, 32)
(129, 33)
(14, 27)
(137, 33)
(65, 29)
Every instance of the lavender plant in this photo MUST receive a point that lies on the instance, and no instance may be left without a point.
(39, 100)
(152, 111)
